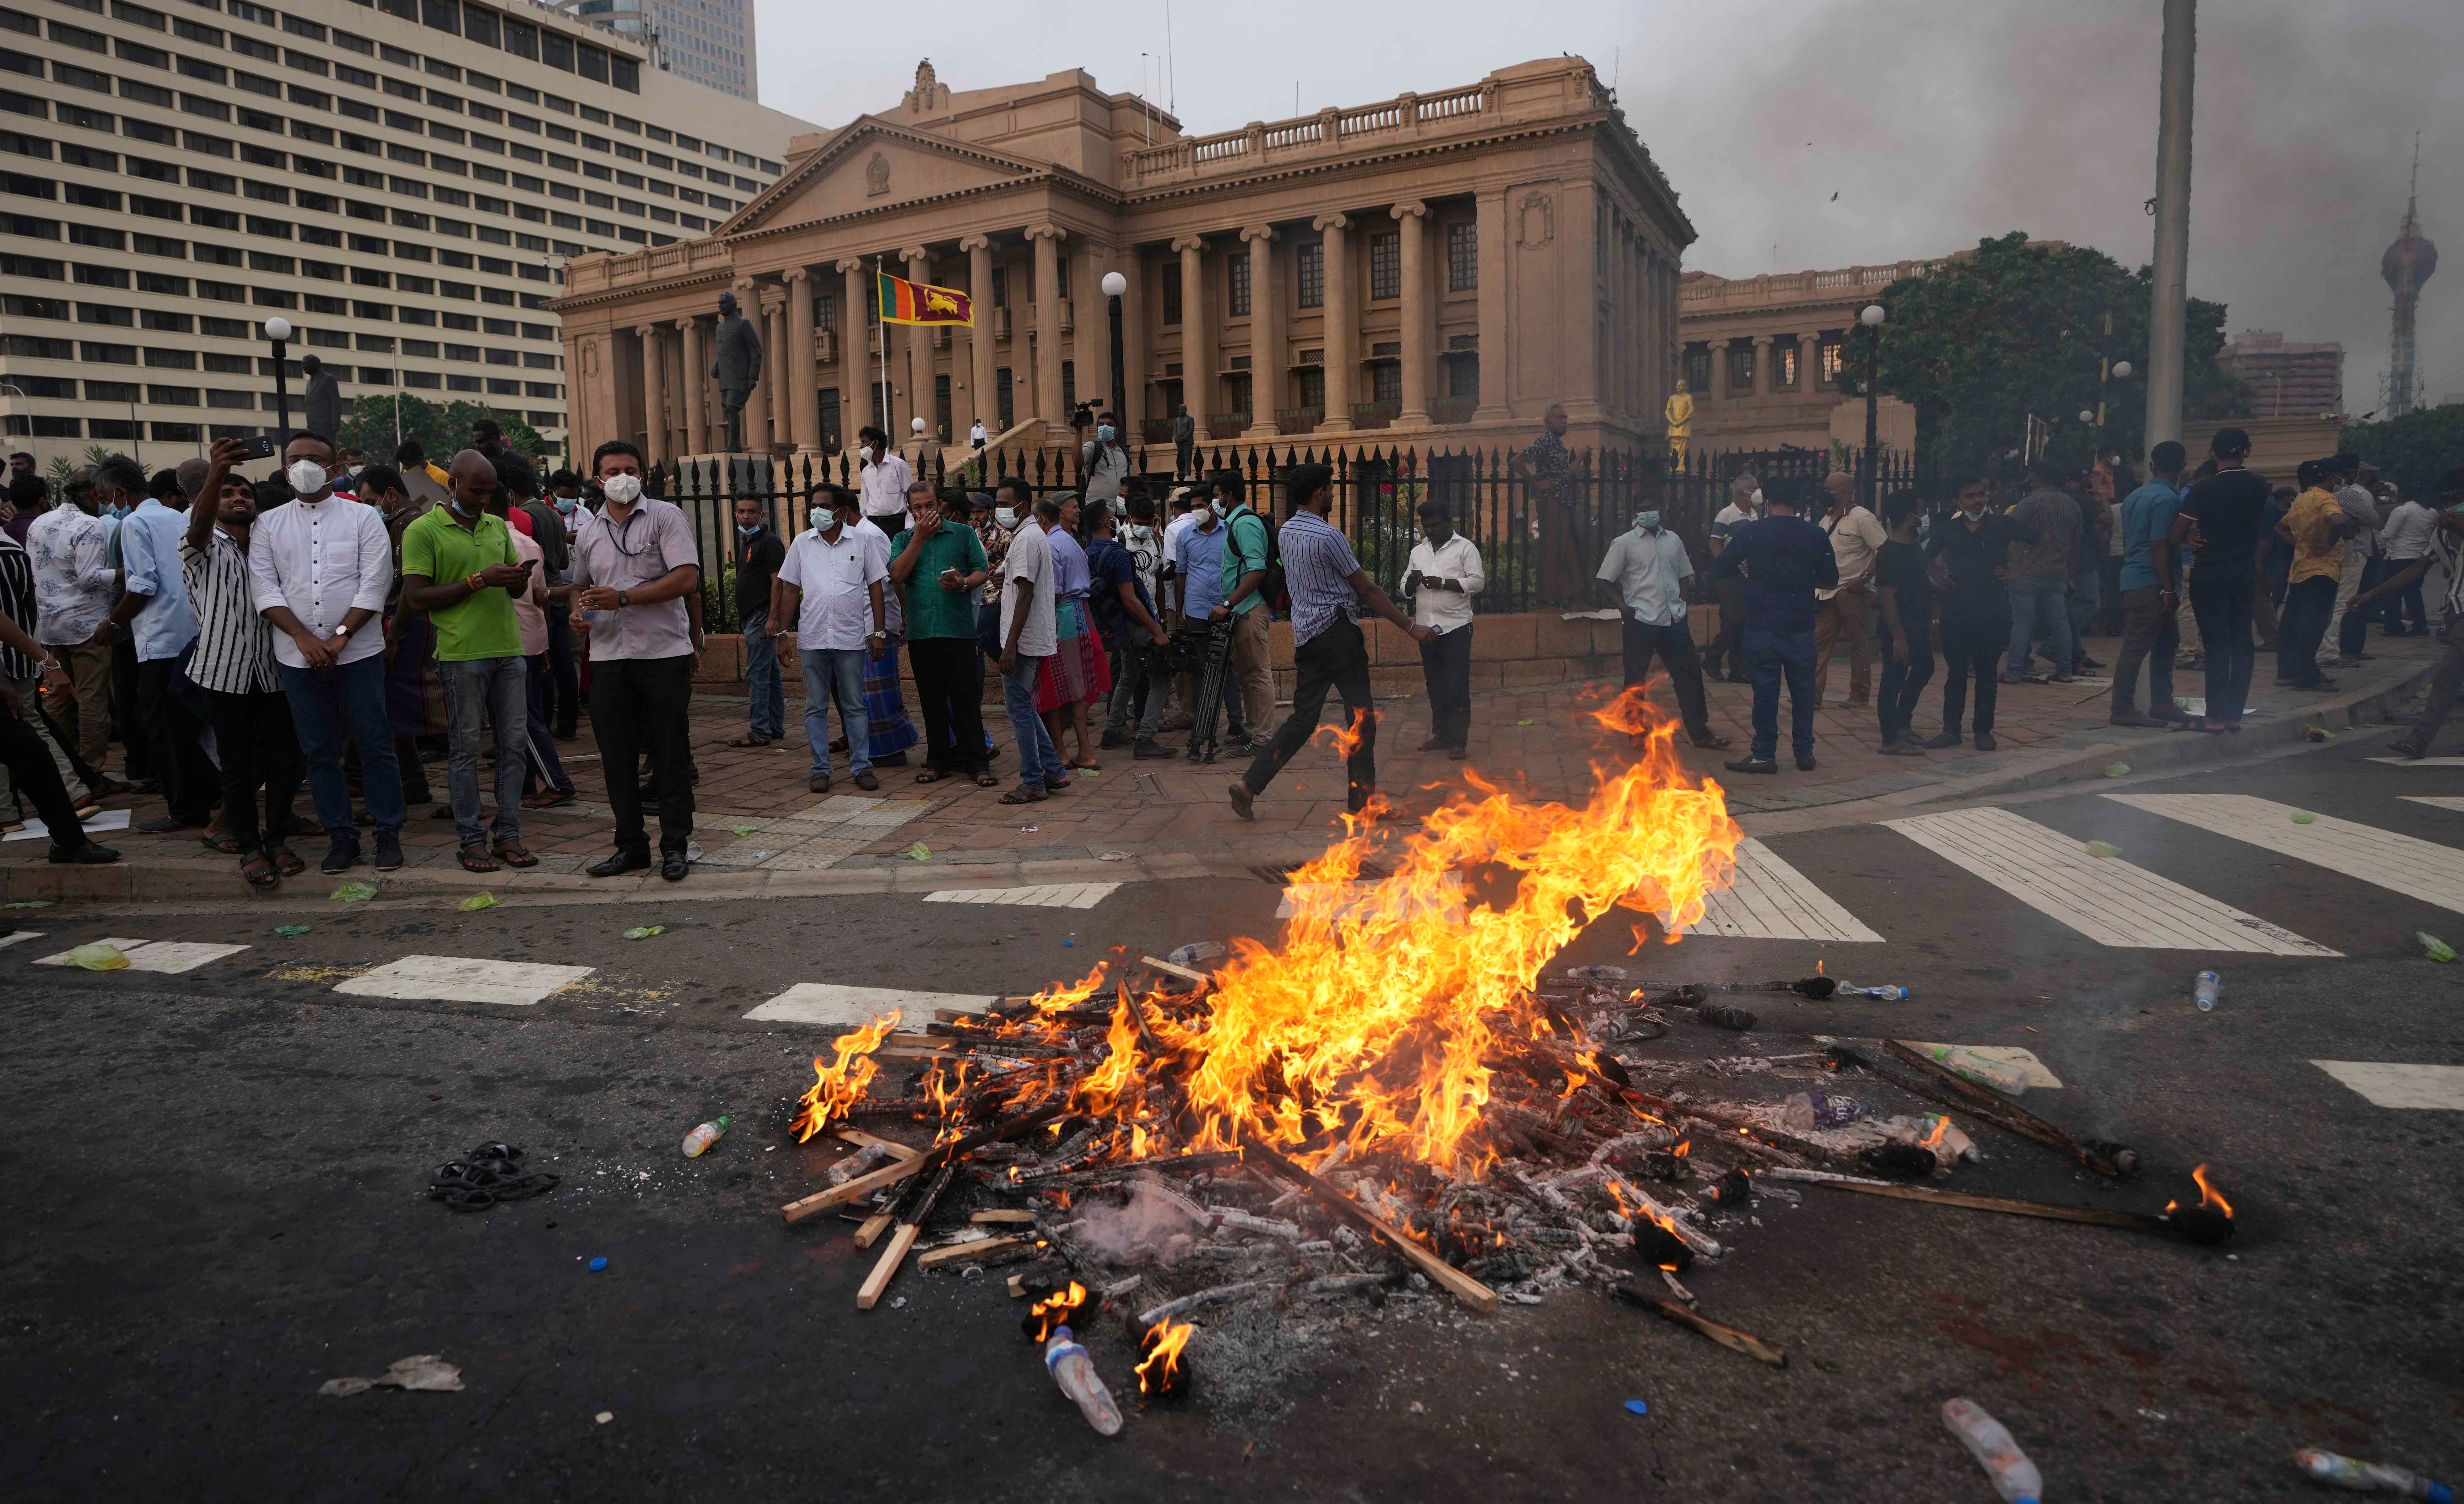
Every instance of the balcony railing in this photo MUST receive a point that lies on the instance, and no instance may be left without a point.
(1451, 412)
(1155, 430)
(1375, 414)
(1001, 323)
(1299, 420)
(1227, 425)
(825, 346)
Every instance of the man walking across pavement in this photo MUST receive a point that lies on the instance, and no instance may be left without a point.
(1856, 535)
(2041, 576)
(1647, 567)
(832, 584)
(2219, 524)
(1970, 549)
(758, 553)
(2347, 638)
(1440, 579)
(1785, 559)
(2446, 550)
(1029, 640)
(937, 565)
(29, 761)
(2318, 526)
(2151, 594)
(1904, 592)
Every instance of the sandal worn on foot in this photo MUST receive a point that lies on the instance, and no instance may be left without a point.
(1024, 795)
(513, 855)
(986, 781)
(259, 871)
(750, 738)
(286, 861)
(475, 859)
(932, 775)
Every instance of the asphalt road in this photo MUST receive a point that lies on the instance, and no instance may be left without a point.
(214, 1206)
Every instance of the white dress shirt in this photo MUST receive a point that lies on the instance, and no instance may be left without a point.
(73, 585)
(2405, 535)
(323, 559)
(884, 486)
(835, 576)
(1648, 572)
(1455, 559)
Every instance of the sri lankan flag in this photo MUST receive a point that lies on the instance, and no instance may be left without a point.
(903, 302)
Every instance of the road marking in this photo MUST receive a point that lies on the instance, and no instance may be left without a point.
(94, 825)
(463, 978)
(2105, 898)
(2039, 1074)
(843, 1007)
(2387, 1084)
(2435, 801)
(1337, 901)
(2422, 762)
(16, 937)
(2404, 864)
(169, 957)
(1768, 899)
(1046, 895)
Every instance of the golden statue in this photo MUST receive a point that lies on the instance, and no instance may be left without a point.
(1681, 421)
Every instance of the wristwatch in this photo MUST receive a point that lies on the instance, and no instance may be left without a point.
(624, 598)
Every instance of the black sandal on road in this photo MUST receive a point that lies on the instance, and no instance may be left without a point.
(753, 739)
(286, 861)
(1023, 794)
(475, 859)
(259, 871)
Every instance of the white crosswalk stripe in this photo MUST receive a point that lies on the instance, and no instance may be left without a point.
(1768, 899)
(169, 957)
(2436, 801)
(2399, 863)
(463, 978)
(18, 937)
(2387, 1083)
(2422, 762)
(840, 1006)
(2105, 898)
(1046, 895)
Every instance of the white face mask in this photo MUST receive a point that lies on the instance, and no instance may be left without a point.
(623, 490)
(307, 478)
(1758, 498)
(817, 518)
(866, 454)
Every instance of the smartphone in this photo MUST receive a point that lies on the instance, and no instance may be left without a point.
(257, 446)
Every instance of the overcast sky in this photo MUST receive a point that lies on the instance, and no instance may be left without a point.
(1933, 123)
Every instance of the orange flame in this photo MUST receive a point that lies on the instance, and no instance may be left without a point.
(838, 1086)
(1055, 1310)
(1934, 1139)
(1684, 1147)
(2209, 1195)
(1159, 1371)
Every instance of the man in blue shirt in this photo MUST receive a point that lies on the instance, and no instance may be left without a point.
(1784, 560)
(153, 609)
(2151, 594)
(1197, 562)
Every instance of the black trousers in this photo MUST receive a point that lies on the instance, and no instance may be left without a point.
(1727, 655)
(1445, 666)
(31, 769)
(254, 736)
(1904, 682)
(170, 730)
(952, 692)
(136, 749)
(639, 706)
(2220, 599)
(1675, 645)
(1335, 659)
(1972, 647)
(2307, 605)
(563, 676)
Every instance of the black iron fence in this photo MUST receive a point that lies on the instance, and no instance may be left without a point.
(1377, 492)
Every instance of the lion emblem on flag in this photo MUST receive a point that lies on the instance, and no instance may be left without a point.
(937, 301)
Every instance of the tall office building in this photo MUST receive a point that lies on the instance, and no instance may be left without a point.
(709, 41)
(401, 181)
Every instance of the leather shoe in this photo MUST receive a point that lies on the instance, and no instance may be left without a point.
(1985, 742)
(1148, 747)
(85, 853)
(389, 850)
(1750, 764)
(341, 855)
(617, 865)
(1948, 739)
(819, 784)
(1805, 765)
(165, 825)
(866, 781)
(672, 866)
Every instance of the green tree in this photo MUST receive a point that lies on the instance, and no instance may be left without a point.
(2413, 450)
(441, 428)
(1984, 340)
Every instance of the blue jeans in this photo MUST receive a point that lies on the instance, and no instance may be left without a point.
(2040, 606)
(1770, 655)
(765, 688)
(2082, 603)
(1039, 761)
(328, 705)
(481, 695)
(835, 673)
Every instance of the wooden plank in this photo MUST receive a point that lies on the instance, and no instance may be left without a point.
(863, 1139)
(979, 1250)
(1017, 1215)
(1182, 972)
(863, 1185)
(2095, 1216)
(1719, 1332)
(1462, 1285)
(874, 1228)
(869, 1294)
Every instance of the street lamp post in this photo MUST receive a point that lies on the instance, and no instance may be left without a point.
(278, 331)
(1871, 319)
(1114, 285)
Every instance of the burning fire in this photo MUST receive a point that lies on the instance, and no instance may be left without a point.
(838, 1086)
(1053, 1311)
(1159, 1370)
(2210, 1198)
(1934, 1139)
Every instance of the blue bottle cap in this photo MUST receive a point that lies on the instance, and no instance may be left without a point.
(597, 1264)
(1637, 1407)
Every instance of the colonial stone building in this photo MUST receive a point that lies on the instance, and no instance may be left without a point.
(1763, 355)
(1439, 266)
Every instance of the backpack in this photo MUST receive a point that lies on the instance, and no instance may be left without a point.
(1273, 590)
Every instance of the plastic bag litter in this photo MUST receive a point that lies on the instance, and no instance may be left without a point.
(477, 902)
(645, 931)
(739, 829)
(2433, 947)
(291, 929)
(421, 1371)
(355, 893)
(2102, 848)
(28, 904)
(2116, 771)
(97, 957)
(2305, 817)
(920, 851)
(1523, 723)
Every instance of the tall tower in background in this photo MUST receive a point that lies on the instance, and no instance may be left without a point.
(2405, 266)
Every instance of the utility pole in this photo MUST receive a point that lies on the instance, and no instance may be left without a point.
(2168, 303)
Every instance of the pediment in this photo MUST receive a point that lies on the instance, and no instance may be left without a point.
(872, 165)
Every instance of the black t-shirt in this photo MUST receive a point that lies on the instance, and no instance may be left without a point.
(1902, 568)
(2230, 507)
(1970, 556)
(755, 565)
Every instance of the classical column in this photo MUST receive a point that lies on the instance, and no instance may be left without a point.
(1197, 331)
(1761, 385)
(982, 399)
(803, 424)
(1271, 353)
(919, 354)
(1809, 361)
(857, 364)
(774, 364)
(1046, 240)
(696, 358)
(1490, 227)
(1342, 323)
(1717, 384)
(1419, 313)
(654, 395)
(756, 403)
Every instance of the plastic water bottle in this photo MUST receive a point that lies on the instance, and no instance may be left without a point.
(2208, 988)
(1887, 992)
(1075, 1372)
(2015, 1477)
(2000, 1075)
(699, 1142)
(1808, 1110)
(2370, 1477)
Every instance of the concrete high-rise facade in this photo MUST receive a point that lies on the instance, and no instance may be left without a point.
(401, 181)
(708, 41)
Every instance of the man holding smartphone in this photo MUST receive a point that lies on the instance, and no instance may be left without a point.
(461, 566)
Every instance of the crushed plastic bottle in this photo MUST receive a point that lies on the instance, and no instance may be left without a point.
(1886, 992)
(1953, 1143)
(864, 1162)
(2015, 1477)
(2433, 947)
(2116, 771)
(2207, 987)
(1809, 1110)
(1075, 1373)
(1984, 1070)
(699, 1142)
(645, 931)
(97, 957)
(2370, 1477)
(1194, 953)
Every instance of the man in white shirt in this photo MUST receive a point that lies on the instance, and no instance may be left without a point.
(321, 565)
(2360, 503)
(1440, 579)
(831, 580)
(75, 585)
(1745, 504)
(1856, 536)
(2404, 539)
(1029, 642)
(885, 480)
(154, 612)
(1647, 567)
(976, 437)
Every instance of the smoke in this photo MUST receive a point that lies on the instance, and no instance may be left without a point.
(1136, 1230)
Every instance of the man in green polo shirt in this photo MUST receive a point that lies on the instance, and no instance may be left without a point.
(937, 565)
(458, 563)
(1244, 578)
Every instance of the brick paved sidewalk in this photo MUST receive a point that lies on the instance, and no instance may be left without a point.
(754, 815)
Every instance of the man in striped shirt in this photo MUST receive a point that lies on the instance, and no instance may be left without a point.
(1328, 587)
(232, 663)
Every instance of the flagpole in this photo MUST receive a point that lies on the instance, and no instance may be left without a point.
(888, 409)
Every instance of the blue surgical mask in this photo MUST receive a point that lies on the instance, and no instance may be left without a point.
(1646, 522)
(743, 531)
(566, 504)
(1104, 432)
